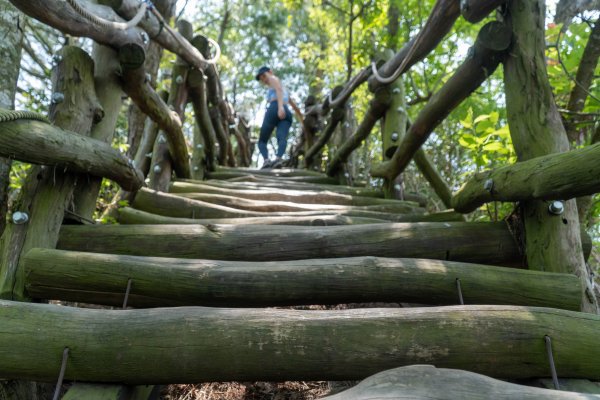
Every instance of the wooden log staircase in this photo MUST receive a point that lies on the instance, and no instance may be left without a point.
(196, 289)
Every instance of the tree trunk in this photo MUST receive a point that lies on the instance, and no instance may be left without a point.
(552, 241)
(117, 345)
(98, 279)
(489, 243)
(428, 382)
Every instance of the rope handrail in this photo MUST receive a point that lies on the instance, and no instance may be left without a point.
(106, 23)
(13, 115)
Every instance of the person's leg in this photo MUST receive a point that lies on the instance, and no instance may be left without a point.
(283, 128)
(266, 130)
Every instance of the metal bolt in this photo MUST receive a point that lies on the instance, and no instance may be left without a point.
(145, 37)
(396, 90)
(395, 136)
(488, 185)
(162, 139)
(20, 218)
(57, 97)
(157, 169)
(557, 207)
(199, 146)
(179, 80)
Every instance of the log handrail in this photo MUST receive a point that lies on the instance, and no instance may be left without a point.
(54, 147)
(485, 56)
(558, 176)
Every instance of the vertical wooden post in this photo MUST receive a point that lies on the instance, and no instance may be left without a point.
(161, 167)
(108, 89)
(393, 130)
(552, 238)
(47, 191)
(10, 48)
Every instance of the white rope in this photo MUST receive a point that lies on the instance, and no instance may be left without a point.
(215, 59)
(106, 23)
(389, 79)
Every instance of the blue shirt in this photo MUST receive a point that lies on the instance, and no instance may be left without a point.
(272, 95)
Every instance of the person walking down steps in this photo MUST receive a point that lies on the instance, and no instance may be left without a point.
(277, 116)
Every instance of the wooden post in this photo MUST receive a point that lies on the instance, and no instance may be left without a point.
(10, 47)
(47, 192)
(162, 159)
(108, 89)
(552, 238)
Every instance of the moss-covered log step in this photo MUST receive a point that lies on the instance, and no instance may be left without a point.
(176, 206)
(552, 177)
(159, 282)
(249, 177)
(489, 243)
(295, 196)
(349, 190)
(195, 344)
(128, 215)
(396, 206)
(427, 382)
(278, 172)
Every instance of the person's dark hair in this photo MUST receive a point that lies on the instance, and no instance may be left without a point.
(261, 71)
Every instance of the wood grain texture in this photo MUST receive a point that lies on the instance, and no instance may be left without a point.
(489, 243)
(159, 282)
(196, 344)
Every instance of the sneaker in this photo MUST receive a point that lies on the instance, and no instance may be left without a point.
(267, 164)
(278, 163)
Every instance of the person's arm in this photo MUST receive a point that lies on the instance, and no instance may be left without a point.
(276, 84)
(297, 111)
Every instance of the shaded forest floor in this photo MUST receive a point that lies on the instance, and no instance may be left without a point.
(254, 390)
